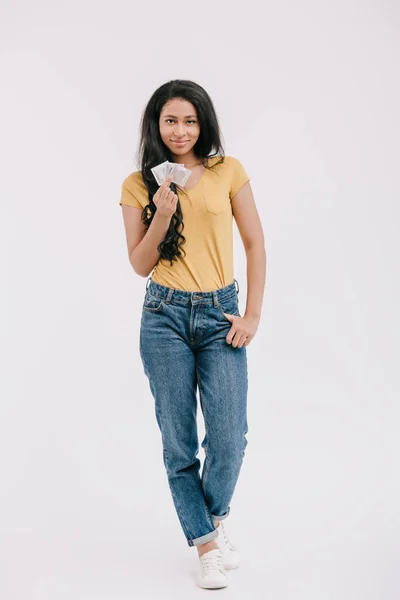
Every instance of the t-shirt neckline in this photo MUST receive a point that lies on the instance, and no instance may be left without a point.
(201, 180)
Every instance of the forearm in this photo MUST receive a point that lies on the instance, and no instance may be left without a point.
(145, 256)
(256, 275)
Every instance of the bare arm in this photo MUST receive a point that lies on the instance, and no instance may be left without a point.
(142, 246)
(250, 229)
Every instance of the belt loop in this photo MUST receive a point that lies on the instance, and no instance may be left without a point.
(215, 299)
(237, 291)
(148, 283)
(169, 295)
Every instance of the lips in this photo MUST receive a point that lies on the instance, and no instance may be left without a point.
(180, 141)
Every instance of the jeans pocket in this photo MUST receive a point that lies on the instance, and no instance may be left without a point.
(152, 303)
(230, 306)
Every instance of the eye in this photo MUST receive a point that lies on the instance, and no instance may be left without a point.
(190, 120)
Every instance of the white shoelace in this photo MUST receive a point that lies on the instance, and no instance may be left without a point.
(210, 563)
(223, 540)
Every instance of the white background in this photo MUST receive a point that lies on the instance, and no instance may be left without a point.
(308, 99)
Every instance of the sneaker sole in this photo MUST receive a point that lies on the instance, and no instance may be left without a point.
(212, 584)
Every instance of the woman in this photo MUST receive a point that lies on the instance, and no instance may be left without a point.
(192, 333)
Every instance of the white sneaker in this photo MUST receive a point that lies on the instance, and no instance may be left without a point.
(230, 554)
(212, 573)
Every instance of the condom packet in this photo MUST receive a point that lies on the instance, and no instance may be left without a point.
(171, 167)
(159, 172)
(179, 173)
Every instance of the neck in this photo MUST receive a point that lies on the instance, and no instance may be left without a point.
(189, 160)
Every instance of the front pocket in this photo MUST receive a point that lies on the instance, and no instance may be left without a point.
(152, 303)
(236, 313)
(229, 306)
(216, 198)
(215, 203)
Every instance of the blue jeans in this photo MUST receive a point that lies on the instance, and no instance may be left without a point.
(183, 346)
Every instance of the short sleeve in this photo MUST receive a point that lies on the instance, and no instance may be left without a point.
(130, 193)
(239, 176)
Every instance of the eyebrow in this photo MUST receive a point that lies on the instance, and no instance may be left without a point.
(175, 117)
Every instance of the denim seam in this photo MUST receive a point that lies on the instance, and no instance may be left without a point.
(203, 482)
(206, 426)
(207, 445)
(235, 314)
(208, 464)
(189, 535)
(209, 515)
(202, 328)
(230, 296)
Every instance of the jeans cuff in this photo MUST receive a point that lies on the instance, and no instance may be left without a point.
(222, 517)
(203, 538)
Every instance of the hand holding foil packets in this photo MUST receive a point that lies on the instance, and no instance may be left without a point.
(177, 171)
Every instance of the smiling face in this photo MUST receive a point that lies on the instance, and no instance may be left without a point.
(179, 128)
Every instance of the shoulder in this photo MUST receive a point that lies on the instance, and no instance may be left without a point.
(135, 184)
(134, 191)
(134, 181)
(232, 162)
(227, 163)
(237, 175)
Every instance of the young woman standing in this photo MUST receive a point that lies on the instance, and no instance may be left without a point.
(192, 333)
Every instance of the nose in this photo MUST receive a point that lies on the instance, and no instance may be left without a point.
(179, 132)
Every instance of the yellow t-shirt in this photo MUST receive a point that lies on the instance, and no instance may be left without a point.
(208, 227)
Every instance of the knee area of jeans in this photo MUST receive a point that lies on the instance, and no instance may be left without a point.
(230, 451)
(175, 462)
(229, 461)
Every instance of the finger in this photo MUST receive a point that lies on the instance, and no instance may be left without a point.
(165, 189)
(240, 339)
(248, 340)
(166, 183)
(172, 197)
(232, 337)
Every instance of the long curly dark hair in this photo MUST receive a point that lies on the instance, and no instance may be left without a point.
(152, 151)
